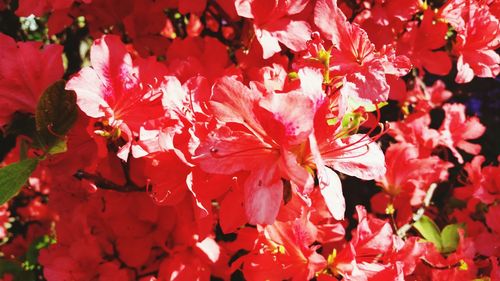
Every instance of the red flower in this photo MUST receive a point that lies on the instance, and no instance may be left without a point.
(274, 23)
(267, 126)
(26, 71)
(283, 251)
(116, 91)
(482, 183)
(457, 129)
(476, 44)
(421, 42)
(354, 56)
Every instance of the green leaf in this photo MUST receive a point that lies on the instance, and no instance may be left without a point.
(39, 243)
(56, 113)
(355, 103)
(450, 238)
(429, 230)
(351, 122)
(59, 147)
(14, 176)
(332, 121)
(16, 269)
(22, 124)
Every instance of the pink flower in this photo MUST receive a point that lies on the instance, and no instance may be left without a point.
(457, 129)
(476, 45)
(420, 43)
(254, 136)
(117, 91)
(274, 23)
(354, 56)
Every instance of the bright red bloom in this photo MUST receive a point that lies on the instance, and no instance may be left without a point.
(476, 44)
(420, 43)
(274, 23)
(195, 56)
(384, 11)
(415, 130)
(283, 251)
(118, 92)
(461, 262)
(407, 180)
(276, 142)
(269, 126)
(457, 129)
(230, 152)
(427, 98)
(26, 71)
(483, 183)
(354, 56)
(363, 257)
(408, 172)
(144, 25)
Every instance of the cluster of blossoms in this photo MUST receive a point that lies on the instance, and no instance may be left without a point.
(212, 140)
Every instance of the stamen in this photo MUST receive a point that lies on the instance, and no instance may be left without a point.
(364, 141)
(215, 152)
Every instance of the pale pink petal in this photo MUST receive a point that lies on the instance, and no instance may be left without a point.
(233, 102)
(210, 248)
(361, 158)
(201, 210)
(293, 114)
(331, 189)
(329, 183)
(296, 173)
(293, 34)
(465, 73)
(113, 65)
(89, 89)
(244, 8)
(263, 193)
(269, 43)
(225, 152)
(329, 19)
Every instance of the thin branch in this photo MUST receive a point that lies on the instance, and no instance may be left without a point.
(444, 267)
(420, 212)
(103, 183)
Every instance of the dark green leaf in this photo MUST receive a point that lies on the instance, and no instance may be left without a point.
(14, 176)
(33, 250)
(22, 124)
(56, 113)
(16, 269)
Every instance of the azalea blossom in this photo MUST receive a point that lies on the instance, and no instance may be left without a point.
(275, 141)
(274, 23)
(249, 140)
(354, 56)
(116, 92)
(476, 44)
(24, 77)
